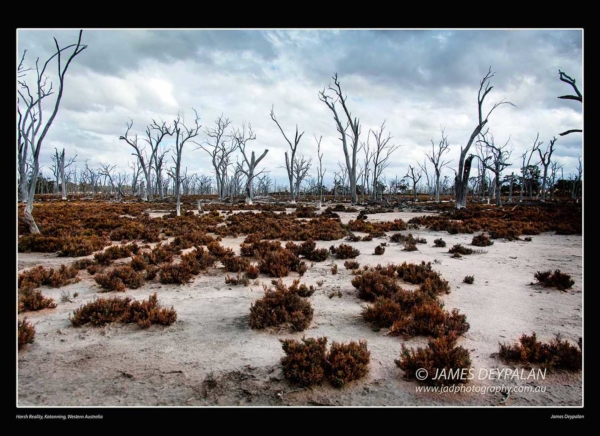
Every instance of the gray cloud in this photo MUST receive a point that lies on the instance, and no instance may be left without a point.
(418, 80)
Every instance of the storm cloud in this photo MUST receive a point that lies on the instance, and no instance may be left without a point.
(417, 80)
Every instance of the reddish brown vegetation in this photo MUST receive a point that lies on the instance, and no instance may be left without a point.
(441, 354)
(280, 306)
(33, 300)
(103, 311)
(40, 276)
(309, 363)
(557, 354)
(25, 333)
(119, 278)
(554, 279)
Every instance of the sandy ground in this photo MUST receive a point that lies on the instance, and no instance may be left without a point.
(211, 357)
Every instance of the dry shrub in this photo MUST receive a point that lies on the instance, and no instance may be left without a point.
(373, 284)
(304, 362)
(235, 264)
(237, 280)
(278, 263)
(482, 241)
(334, 269)
(307, 362)
(138, 263)
(429, 319)
(246, 250)
(345, 251)
(280, 306)
(151, 272)
(460, 249)
(39, 276)
(384, 312)
(33, 300)
(351, 264)
(369, 237)
(415, 273)
(439, 242)
(557, 354)
(469, 280)
(555, 279)
(410, 246)
(379, 250)
(441, 354)
(347, 362)
(25, 333)
(39, 243)
(177, 273)
(217, 250)
(252, 271)
(300, 289)
(192, 238)
(353, 238)
(84, 263)
(318, 255)
(148, 312)
(160, 254)
(116, 252)
(82, 246)
(103, 311)
(119, 278)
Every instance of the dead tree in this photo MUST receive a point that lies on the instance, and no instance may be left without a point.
(414, 176)
(438, 164)
(496, 162)
(349, 140)
(136, 168)
(578, 97)
(321, 171)
(241, 138)
(182, 134)
(59, 162)
(554, 168)
(366, 171)
(31, 120)
(106, 172)
(301, 167)
(545, 161)
(381, 154)
(290, 160)
(145, 164)
(155, 134)
(424, 170)
(120, 180)
(219, 151)
(464, 163)
(526, 162)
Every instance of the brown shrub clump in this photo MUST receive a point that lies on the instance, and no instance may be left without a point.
(351, 264)
(460, 249)
(116, 252)
(235, 264)
(252, 272)
(278, 263)
(482, 241)
(25, 333)
(347, 362)
(217, 250)
(555, 279)
(557, 354)
(304, 362)
(39, 276)
(372, 284)
(119, 278)
(103, 311)
(441, 356)
(280, 306)
(379, 250)
(308, 362)
(345, 251)
(33, 300)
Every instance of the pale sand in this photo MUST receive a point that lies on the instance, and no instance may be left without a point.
(121, 365)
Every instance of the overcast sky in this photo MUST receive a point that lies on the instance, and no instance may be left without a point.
(416, 80)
